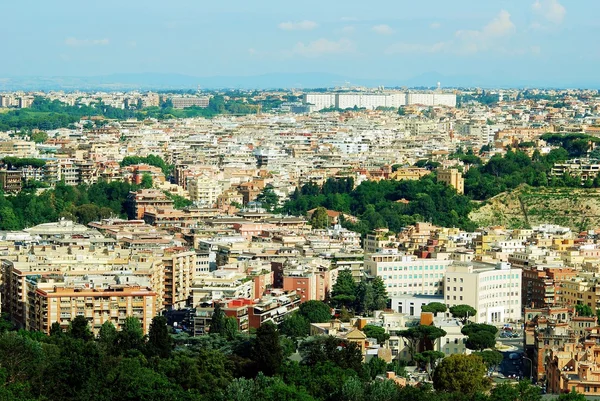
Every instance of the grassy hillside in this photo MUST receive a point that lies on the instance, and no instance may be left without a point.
(525, 206)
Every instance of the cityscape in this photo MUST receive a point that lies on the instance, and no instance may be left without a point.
(291, 235)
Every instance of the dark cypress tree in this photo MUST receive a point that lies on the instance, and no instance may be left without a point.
(159, 341)
(217, 323)
(266, 351)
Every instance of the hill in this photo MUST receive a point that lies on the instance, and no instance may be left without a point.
(525, 206)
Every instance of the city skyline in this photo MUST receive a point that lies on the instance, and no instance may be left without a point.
(507, 43)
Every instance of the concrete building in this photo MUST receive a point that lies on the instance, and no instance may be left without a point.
(184, 102)
(407, 274)
(494, 291)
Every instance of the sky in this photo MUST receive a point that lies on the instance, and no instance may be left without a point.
(499, 40)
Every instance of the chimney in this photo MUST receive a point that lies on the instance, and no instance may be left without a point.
(390, 375)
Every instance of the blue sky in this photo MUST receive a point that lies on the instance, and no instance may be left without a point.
(544, 40)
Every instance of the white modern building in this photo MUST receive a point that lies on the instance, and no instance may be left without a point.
(407, 274)
(494, 291)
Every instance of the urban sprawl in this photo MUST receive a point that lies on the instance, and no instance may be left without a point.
(429, 224)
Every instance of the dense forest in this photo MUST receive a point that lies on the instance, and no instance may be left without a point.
(223, 366)
(387, 203)
(82, 203)
(397, 204)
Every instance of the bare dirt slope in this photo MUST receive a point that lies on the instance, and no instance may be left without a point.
(577, 208)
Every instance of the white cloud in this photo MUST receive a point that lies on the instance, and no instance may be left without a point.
(298, 26)
(383, 29)
(500, 26)
(473, 41)
(322, 47)
(408, 48)
(348, 29)
(74, 42)
(550, 10)
(435, 25)
(348, 19)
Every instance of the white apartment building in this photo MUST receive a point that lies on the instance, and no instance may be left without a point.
(407, 274)
(320, 101)
(432, 99)
(494, 291)
(204, 190)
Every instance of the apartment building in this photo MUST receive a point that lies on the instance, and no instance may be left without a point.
(582, 289)
(310, 283)
(180, 102)
(273, 308)
(204, 190)
(237, 308)
(180, 272)
(148, 200)
(494, 291)
(55, 303)
(407, 274)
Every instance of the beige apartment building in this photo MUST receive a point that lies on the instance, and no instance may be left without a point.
(114, 303)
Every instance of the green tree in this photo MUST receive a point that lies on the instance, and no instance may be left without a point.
(380, 295)
(584, 310)
(8, 219)
(295, 326)
(147, 181)
(461, 373)
(376, 332)
(522, 391)
(434, 307)
(39, 137)
(319, 218)
(572, 396)
(478, 327)
(364, 297)
(429, 360)
(480, 340)
(492, 359)
(421, 337)
(462, 312)
(107, 337)
(268, 199)
(79, 329)
(231, 327)
(159, 341)
(375, 366)
(315, 311)
(217, 322)
(266, 350)
(131, 336)
(344, 290)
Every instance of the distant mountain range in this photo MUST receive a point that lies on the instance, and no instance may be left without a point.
(158, 81)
